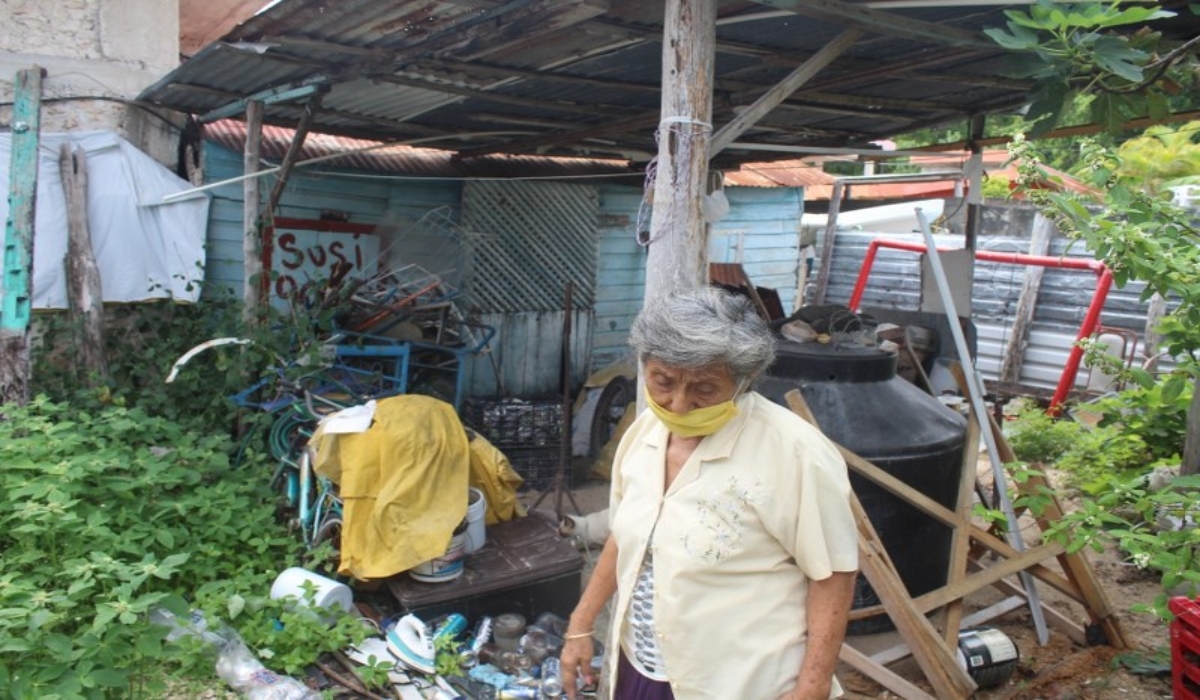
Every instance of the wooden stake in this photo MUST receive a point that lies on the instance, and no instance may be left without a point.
(252, 243)
(1014, 354)
(84, 291)
(16, 295)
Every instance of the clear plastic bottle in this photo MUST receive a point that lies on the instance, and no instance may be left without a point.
(552, 684)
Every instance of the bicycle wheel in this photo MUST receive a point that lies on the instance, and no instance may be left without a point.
(330, 532)
(610, 408)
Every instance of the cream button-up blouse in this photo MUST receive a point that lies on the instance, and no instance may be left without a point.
(759, 509)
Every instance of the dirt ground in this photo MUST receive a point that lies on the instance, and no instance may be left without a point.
(1060, 670)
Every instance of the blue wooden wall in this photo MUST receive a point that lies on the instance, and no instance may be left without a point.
(366, 200)
(761, 231)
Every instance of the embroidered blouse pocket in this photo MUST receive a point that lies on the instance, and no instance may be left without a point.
(721, 519)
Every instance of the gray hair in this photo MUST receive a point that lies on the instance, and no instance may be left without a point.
(704, 326)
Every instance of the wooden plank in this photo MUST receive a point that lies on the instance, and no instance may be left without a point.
(1080, 572)
(16, 299)
(777, 94)
(827, 244)
(936, 660)
(84, 291)
(960, 540)
(1059, 621)
(1014, 354)
(678, 234)
(253, 277)
(901, 651)
(877, 672)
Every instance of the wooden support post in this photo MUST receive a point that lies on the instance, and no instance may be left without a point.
(16, 294)
(835, 203)
(1014, 354)
(84, 291)
(678, 247)
(253, 282)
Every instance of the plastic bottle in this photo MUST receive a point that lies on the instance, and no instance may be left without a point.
(237, 666)
(552, 685)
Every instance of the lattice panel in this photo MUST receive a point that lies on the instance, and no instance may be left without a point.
(529, 240)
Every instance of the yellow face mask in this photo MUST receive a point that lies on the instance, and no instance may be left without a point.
(695, 423)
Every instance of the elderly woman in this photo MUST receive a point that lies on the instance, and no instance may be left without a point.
(733, 547)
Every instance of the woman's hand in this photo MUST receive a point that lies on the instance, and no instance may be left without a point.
(576, 663)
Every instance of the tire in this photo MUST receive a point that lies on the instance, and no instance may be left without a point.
(330, 531)
(610, 408)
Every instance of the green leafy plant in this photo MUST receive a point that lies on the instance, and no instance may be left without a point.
(1154, 414)
(446, 656)
(1073, 49)
(1037, 437)
(105, 515)
(1100, 455)
(1134, 518)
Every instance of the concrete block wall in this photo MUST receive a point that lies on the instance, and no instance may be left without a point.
(97, 54)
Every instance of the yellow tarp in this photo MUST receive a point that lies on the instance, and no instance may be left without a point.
(492, 473)
(403, 484)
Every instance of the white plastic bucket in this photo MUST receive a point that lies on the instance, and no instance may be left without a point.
(329, 593)
(476, 527)
(447, 567)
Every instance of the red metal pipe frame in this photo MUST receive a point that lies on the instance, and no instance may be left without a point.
(1091, 319)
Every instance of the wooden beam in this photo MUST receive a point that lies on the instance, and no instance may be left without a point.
(618, 126)
(678, 244)
(886, 23)
(865, 113)
(496, 71)
(84, 291)
(1014, 353)
(295, 148)
(772, 97)
(16, 300)
(879, 673)
(253, 275)
(499, 98)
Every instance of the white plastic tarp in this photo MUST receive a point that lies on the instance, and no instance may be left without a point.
(144, 249)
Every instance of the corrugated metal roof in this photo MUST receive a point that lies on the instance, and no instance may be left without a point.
(410, 160)
(581, 77)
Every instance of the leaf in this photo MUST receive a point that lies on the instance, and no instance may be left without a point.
(1173, 387)
(1106, 112)
(235, 604)
(110, 678)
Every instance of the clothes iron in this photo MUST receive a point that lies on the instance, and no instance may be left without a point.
(409, 642)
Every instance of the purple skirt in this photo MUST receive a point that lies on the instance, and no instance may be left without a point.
(632, 685)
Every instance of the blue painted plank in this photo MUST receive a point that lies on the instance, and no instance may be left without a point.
(17, 290)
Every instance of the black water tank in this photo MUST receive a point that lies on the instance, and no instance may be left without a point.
(860, 403)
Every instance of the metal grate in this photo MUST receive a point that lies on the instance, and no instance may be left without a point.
(540, 236)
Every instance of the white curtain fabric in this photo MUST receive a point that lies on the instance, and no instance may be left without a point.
(145, 249)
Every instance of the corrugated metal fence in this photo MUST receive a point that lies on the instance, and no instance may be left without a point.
(895, 283)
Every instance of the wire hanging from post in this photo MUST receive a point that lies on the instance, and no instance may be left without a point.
(684, 141)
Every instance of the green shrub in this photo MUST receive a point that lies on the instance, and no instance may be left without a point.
(1155, 413)
(105, 515)
(1101, 453)
(1037, 437)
